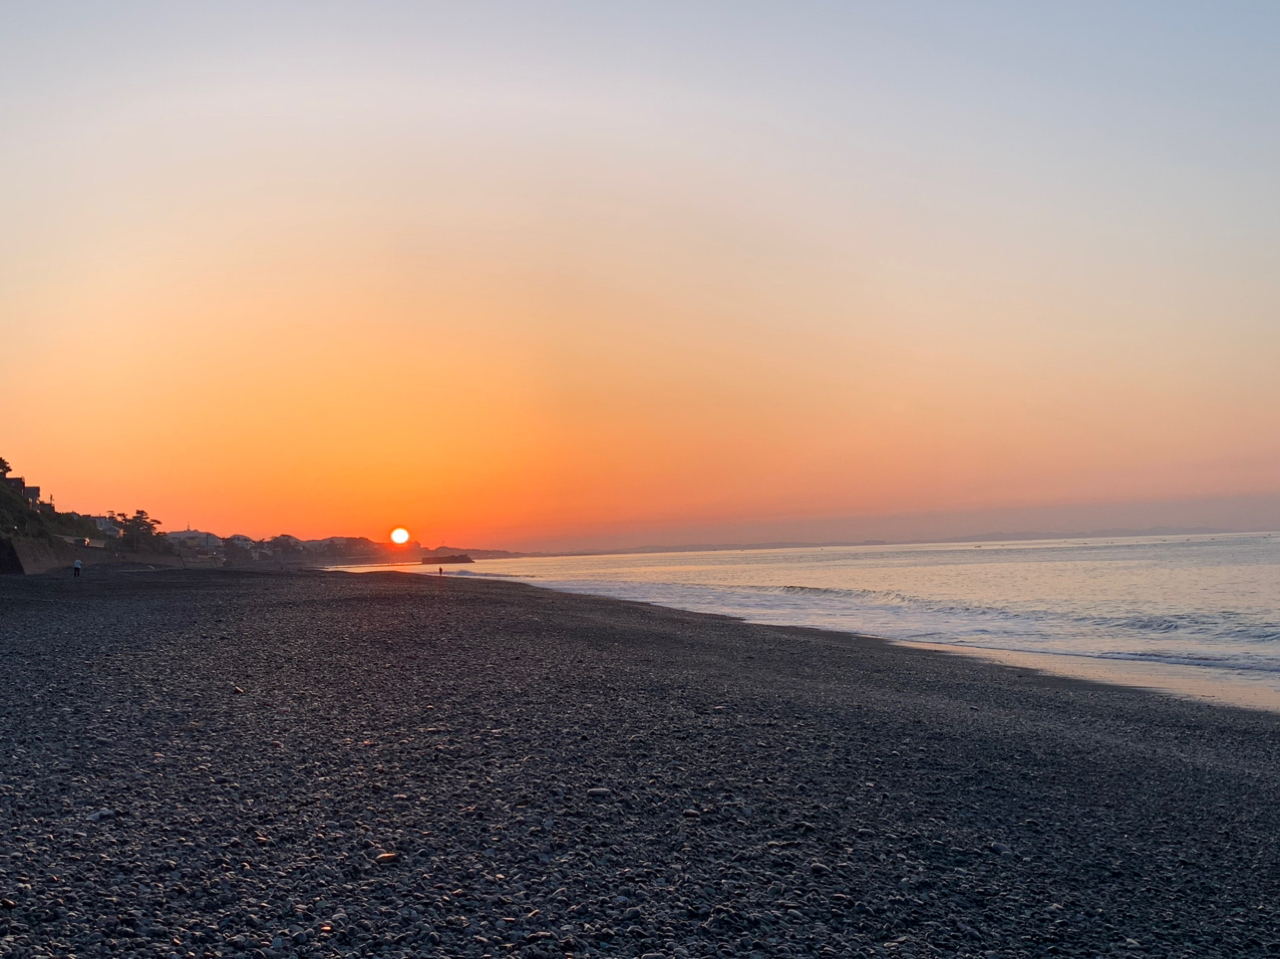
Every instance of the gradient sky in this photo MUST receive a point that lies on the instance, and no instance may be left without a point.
(585, 274)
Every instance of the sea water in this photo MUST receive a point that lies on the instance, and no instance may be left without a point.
(1195, 614)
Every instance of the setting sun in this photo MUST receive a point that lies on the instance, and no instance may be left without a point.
(791, 400)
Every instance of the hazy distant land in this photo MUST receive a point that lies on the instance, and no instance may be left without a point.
(799, 544)
(34, 537)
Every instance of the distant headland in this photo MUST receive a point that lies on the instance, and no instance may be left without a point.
(35, 538)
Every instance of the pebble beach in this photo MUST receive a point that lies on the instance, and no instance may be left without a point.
(202, 763)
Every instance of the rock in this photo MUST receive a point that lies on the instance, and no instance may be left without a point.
(692, 814)
(1001, 849)
(819, 869)
(100, 814)
(387, 858)
(600, 792)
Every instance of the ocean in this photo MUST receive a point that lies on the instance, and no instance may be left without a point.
(1197, 615)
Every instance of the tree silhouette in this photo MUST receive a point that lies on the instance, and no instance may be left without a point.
(140, 532)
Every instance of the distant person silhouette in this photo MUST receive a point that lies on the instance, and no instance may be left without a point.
(441, 570)
(75, 569)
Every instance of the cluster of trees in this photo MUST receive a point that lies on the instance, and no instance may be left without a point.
(140, 533)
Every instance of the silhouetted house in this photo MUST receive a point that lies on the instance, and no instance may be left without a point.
(106, 525)
(19, 486)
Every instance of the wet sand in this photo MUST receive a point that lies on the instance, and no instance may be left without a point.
(1226, 687)
(220, 763)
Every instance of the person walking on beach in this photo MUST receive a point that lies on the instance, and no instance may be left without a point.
(75, 570)
(441, 570)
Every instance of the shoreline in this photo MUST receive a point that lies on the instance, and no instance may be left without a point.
(1195, 683)
(1223, 686)
(325, 764)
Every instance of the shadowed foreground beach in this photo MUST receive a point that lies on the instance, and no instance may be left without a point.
(213, 763)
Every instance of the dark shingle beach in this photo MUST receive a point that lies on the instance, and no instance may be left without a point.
(234, 764)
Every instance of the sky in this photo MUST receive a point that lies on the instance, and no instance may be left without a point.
(580, 275)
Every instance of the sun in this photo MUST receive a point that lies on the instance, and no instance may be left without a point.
(400, 536)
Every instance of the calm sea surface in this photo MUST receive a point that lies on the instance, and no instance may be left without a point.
(1205, 603)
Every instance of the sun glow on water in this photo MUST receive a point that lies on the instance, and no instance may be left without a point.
(400, 536)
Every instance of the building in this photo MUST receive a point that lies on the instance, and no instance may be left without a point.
(107, 525)
(30, 493)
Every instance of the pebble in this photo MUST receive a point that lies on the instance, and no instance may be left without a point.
(256, 829)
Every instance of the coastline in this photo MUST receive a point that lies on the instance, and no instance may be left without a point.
(1225, 686)
(252, 744)
(1198, 683)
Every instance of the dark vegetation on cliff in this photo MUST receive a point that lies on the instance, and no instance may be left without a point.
(41, 522)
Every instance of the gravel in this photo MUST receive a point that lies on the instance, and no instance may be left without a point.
(212, 763)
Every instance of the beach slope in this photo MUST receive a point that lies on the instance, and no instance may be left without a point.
(203, 763)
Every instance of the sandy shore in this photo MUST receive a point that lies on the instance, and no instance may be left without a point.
(217, 763)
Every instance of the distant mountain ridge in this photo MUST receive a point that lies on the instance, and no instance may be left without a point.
(1093, 534)
(996, 537)
(443, 551)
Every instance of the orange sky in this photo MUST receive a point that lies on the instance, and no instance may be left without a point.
(332, 296)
